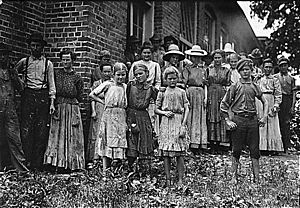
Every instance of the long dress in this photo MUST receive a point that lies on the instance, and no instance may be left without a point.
(94, 125)
(194, 77)
(112, 141)
(218, 80)
(140, 138)
(66, 143)
(270, 136)
(169, 140)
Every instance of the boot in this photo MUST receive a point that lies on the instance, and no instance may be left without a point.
(255, 168)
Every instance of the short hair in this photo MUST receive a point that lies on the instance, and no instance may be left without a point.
(221, 52)
(68, 51)
(140, 66)
(119, 66)
(170, 70)
(103, 65)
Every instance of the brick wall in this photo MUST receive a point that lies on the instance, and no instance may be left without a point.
(171, 18)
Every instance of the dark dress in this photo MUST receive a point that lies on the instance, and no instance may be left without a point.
(66, 143)
(218, 80)
(140, 138)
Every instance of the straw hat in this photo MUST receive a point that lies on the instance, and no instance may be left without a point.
(173, 49)
(196, 51)
(255, 54)
(228, 48)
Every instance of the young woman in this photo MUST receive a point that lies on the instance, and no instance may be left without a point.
(112, 142)
(66, 143)
(173, 106)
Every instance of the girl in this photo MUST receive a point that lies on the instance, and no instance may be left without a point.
(139, 94)
(270, 136)
(97, 111)
(173, 106)
(195, 81)
(66, 143)
(112, 142)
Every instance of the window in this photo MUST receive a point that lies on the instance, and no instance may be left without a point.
(141, 19)
(209, 29)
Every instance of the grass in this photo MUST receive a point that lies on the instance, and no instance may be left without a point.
(207, 184)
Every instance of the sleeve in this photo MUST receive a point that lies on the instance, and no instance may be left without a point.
(20, 65)
(102, 87)
(130, 74)
(227, 100)
(79, 86)
(159, 100)
(185, 74)
(228, 77)
(51, 81)
(258, 91)
(185, 99)
(154, 93)
(277, 92)
(158, 76)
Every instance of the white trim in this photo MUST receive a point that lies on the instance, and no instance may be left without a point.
(131, 19)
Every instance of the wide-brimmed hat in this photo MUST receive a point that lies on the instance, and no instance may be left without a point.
(170, 37)
(255, 54)
(228, 48)
(173, 49)
(283, 60)
(196, 51)
(155, 37)
(36, 37)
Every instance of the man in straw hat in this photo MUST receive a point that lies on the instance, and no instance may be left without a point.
(287, 106)
(37, 100)
(256, 57)
(9, 121)
(194, 78)
(245, 129)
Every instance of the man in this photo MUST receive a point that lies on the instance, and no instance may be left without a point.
(38, 78)
(256, 57)
(245, 129)
(287, 105)
(9, 121)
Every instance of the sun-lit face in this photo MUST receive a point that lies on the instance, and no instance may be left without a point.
(233, 61)
(172, 80)
(174, 59)
(245, 72)
(106, 72)
(67, 61)
(268, 67)
(217, 59)
(140, 75)
(120, 76)
(284, 68)
(196, 59)
(146, 54)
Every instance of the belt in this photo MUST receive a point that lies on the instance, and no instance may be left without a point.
(246, 115)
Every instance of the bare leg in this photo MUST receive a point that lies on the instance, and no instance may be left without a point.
(167, 164)
(235, 164)
(255, 168)
(180, 169)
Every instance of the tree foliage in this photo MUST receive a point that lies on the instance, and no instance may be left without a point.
(284, 18)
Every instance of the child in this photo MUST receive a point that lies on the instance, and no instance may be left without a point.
(173, 106)
(241, 99)
(112, 142)
(97, 111)
(139, 93)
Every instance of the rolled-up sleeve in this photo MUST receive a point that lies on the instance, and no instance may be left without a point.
(51, 82)
(277, 93)
(227, 101)
(158, 76)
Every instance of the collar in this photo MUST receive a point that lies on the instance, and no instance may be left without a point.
(146, 86)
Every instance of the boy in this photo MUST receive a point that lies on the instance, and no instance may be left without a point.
(244, 123)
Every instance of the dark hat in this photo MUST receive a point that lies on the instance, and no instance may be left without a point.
(36, 37)
(133, 39)
(242, 63)
(4, 48)
(255, 54)
(283, 60)
(170, 37)
(105, 53)
(156, 37)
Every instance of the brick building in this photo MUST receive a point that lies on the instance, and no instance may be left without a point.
(90, 26)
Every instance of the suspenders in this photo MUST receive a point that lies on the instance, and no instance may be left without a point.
(45, 73)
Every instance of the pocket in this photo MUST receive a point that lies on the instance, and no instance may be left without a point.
(75, 116)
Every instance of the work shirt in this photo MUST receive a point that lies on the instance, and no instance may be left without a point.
(36, 74)
(287, 83)
(241, 98)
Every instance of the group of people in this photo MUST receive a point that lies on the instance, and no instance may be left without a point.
(156, 99)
